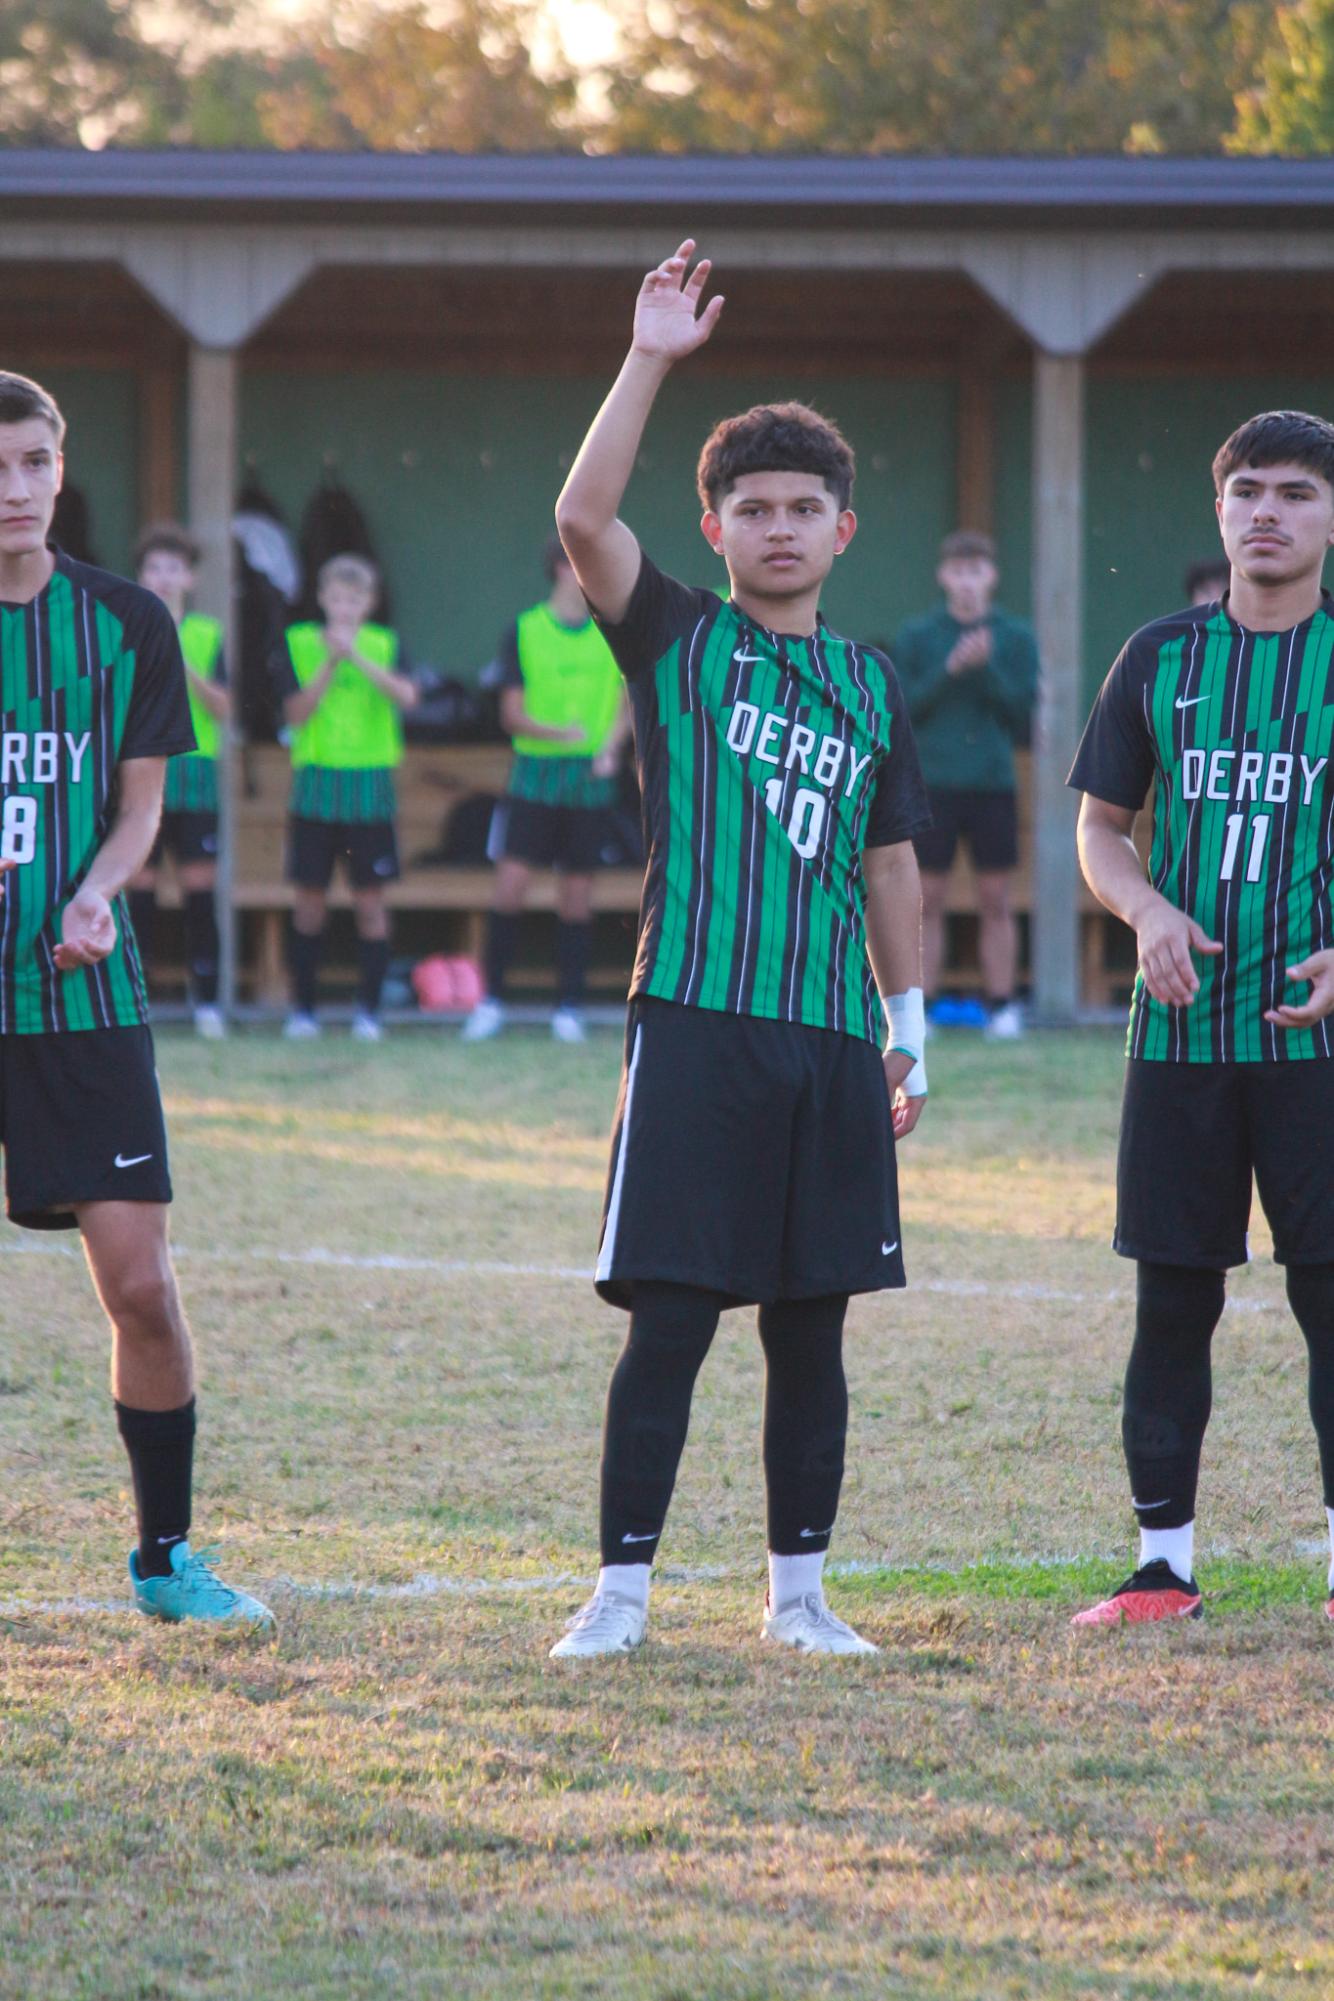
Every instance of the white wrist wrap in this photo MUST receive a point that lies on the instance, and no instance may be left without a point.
(906, 1016)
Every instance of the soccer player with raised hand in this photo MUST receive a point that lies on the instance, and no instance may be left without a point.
(1227, 708)
(92, 704)
(753, 1153)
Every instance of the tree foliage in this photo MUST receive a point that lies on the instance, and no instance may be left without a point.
(854, 76)
(1291, 107)
(963, 76)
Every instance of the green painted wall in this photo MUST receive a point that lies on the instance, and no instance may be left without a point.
(1150, 443)
(457, 476)
(100, 406)
(1151, 440)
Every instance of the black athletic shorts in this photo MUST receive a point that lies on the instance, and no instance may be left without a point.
(988, 821)
(367, 848)
(570, 838)
(186, 837)
(80, 1121)
(754, 1158)
(1192, 1136)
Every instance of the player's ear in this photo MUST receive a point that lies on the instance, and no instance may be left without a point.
(60, 471)
(711, 528)
(844, 530)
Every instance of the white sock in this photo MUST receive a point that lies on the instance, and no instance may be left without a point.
(627, 1580)
(1329, 1517)
(1177, 1545)
(793, 1577)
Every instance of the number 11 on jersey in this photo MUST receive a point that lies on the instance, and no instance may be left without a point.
(1255, 857)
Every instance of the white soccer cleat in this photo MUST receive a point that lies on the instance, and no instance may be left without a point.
(487, 1019)
(607, 1624)
(209, 1023)
(1006, 1025)
(808, 1625)
(301, 1027)
(365, 1028)
(567, 1025)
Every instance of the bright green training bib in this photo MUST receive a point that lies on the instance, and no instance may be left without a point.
(569, 676)
(355, 727)
(201, 643)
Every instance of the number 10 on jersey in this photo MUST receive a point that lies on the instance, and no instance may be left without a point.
(1255, 852)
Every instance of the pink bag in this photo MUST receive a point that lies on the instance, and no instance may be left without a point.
(447, 984)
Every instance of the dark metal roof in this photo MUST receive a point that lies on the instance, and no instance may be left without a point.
(902, 189)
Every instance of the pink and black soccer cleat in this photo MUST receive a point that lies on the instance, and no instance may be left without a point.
(1154, 1592)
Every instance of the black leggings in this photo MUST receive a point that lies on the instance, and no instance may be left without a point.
(1169, 1381)
(648, 1415)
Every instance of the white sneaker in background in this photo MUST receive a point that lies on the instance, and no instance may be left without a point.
(607, 1624)
(1006, 1024)
(301, 1027)
(487, 1019)
(567, 1025)
(365, 1028)
(209, 1023)
(808, 1625)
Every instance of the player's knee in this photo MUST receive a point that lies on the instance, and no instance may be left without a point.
(993, 899)
(142, 1300)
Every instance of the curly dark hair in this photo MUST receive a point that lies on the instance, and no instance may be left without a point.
(1275, 438)
(775, 437)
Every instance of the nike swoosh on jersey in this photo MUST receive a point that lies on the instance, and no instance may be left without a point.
(1193, 702)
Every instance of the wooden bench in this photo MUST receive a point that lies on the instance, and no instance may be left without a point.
(431, 784)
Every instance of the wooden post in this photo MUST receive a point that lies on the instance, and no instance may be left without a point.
(975, 469)
(158, 459)
(212, 398)
(1058, 602)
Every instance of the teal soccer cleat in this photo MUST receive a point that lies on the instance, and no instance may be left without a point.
(192, 1591)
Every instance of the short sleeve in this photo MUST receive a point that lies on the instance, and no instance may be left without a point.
(899, 807)
(282, 671)
(507, 672)
(660, 611)
(158, 723)
(1115, 760)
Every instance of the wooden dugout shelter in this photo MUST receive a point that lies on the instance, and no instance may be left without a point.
(1051, 349)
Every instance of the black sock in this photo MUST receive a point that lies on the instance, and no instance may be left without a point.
(1311, 1296)
(648, 1414)
(805, 1420)
(502, 931)
(161, 1448)
(372, 965)
(572, 943)
(1169, 1390)
(304, 947)
(143, 916)
(202, 945)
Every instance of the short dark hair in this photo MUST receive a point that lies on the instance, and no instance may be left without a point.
(965, 542)
(1200, 573)
(171, 539)
(775, 437)
(1274, 438)
(21, 398)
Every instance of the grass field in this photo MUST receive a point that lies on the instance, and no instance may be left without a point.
(402, 1377)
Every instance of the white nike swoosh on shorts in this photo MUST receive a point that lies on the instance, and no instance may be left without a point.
(137, 1161)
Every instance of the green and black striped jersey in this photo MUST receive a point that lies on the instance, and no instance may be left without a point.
(343, 796)
(91, 676)
(560, 781)
(1235, 727)
(767, 764)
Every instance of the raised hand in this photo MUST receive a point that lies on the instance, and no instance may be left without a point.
(668, 322)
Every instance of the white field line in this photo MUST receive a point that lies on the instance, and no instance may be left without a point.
(427, 1584)
(317, 1256)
